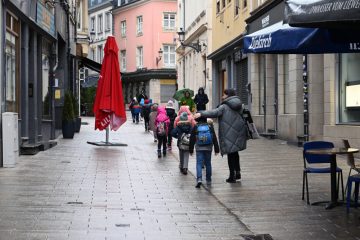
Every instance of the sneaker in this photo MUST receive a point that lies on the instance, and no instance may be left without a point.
(184, 171)
(198, 185)
(159, 155)
(231, 180)
(238, 175)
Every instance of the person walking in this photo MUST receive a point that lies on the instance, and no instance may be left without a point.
(188, 101)
(170, 112)
(232, 130)
(146, 109)
(203, 137)
(201, 99)
(182, 133)
(162, 123)
(131, 105)
(152, 116)
(136, 108)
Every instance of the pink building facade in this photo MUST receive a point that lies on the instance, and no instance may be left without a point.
(145, 31)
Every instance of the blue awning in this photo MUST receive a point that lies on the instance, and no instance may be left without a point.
(281, 38)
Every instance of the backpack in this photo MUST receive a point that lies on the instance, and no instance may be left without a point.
(204, 136)
(184, 141)
(161, 129)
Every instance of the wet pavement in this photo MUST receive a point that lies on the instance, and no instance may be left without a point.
(81, 191)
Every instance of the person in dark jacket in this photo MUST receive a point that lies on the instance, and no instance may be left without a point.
(170, 112)
(201, 99)
(203, 147)
(232, 130)
(146, 109)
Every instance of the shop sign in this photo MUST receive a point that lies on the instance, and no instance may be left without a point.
(45, 19)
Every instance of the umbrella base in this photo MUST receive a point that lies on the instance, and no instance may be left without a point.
(108, 144)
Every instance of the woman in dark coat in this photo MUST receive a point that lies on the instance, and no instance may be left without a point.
(232, 130)
(201, 99)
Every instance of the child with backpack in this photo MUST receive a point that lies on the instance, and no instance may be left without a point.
(136, 108)
(170, 112)
(162, 122)
(203, 137)
(182, 133)
(152, 117)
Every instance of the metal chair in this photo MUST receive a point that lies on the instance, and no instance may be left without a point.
(350, 159)
(356, 179)
(310, 159)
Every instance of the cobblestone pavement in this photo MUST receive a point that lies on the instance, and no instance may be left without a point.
(81, 191)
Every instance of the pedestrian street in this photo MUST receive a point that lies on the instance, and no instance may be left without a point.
(80, 191)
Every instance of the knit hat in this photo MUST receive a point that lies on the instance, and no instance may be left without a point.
(183, 116)
(147, 101)
(170, 104)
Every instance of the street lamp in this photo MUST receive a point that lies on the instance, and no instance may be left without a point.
(92, 36)
(158, 59)
(196, 46)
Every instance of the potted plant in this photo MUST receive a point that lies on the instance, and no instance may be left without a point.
(68, 116)
(76, 113)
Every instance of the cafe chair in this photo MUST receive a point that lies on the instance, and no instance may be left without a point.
(356, 179)
(350, 159)
(310, 160)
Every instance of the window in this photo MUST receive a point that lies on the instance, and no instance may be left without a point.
(12, 83)
(287, 94)
(79, 16)
(217, 6)
(139, 25)
(139, 57)
(45, 80)
(93, 54)
(244, 4)
(169, 21)
(92, 24)
(100, 53)
(107, 21)
(262, 84)
(100, 23)
(123, 60)
(123, 28)
(223, 3)
(229, 1)
(349, 88)
(237, 6)
(169, 55)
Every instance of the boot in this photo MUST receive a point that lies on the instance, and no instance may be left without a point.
(184, 171)
(237, 175)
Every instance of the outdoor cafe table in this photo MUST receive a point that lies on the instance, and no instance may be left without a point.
(333, 152)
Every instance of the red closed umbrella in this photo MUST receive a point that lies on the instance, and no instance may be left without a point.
(109, 107)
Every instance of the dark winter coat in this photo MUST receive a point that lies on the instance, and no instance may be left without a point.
(201, 99)
(170, 112)
(181, 128)
(232, 129)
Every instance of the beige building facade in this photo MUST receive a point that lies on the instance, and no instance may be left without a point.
(193, 68)
(278, 91)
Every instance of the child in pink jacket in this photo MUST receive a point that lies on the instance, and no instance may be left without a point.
(162, 122)
(190, 116)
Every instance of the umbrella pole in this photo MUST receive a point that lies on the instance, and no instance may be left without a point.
(107, 135)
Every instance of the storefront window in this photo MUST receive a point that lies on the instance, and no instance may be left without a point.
(45, 80)
(262, 79)
(11, 65)
(349, 88)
